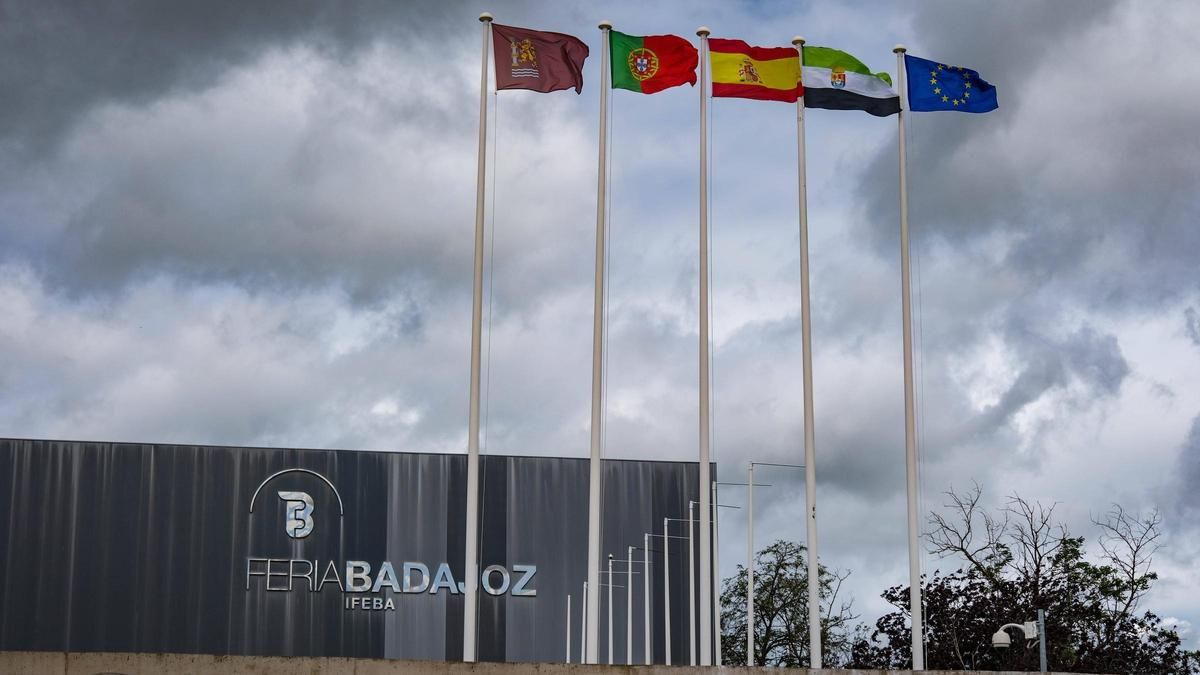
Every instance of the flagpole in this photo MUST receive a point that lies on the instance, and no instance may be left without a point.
(471, 564)
(810, 463)
(705, 400)
(593, 604)
(910, 423)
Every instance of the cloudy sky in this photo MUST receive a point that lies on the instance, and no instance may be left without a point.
(252, 224)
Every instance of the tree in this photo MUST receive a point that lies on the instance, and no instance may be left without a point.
(781, 610)
(1016, 561)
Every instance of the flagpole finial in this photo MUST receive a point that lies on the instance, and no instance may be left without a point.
(899, 49)
(798, 41)
(703, 31)
(606, 25)
(485, 17)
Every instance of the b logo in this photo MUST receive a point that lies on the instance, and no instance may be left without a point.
(299, 508)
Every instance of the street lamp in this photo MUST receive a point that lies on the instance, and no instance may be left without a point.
(750, 554)
(716, 573)
(1032, 630)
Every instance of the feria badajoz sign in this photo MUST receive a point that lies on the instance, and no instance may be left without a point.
(365, 586)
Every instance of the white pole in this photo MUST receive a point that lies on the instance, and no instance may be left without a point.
(666, 591)
(471, 552)
(810, 464)
(716, 576)
(568, 627)
(629, 605)
(598, 362)
(610, 610)
(705, 479)
(691, 523)
(750, 566)
(646, 643)
(910, 423)
(1041, 623)
(583, 625)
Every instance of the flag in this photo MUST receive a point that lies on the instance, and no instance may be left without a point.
(835, 80)
(763, 73)
(651, 63)
(937, 86)
(537, 60)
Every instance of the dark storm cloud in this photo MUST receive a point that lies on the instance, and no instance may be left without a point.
(1072, 186)
(60, 59)
(1191, 324)
(269, 145)
(1087, 356)
(1188, 477)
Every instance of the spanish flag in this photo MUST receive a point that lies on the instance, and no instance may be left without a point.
(763, 73)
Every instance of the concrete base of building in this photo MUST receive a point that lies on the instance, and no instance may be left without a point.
(90, 663)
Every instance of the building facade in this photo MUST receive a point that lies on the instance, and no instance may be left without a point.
(121, 547)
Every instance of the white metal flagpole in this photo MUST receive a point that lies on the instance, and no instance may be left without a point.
(629, 605)
(598, 365)
(691, 523)
(471, 553)
(750, 566)
(810, 471)
(583, 625)
(646, 640)
(705, 468)
(910, 423)
(568, 627)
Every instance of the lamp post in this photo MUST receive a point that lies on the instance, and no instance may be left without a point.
(629, 605)
(691, 582)
(647, 647)
(1032, 630)
(666, 537)
(750, 553)
(716, 575)
(610, 610)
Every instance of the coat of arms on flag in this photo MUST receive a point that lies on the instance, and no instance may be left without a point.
(748, 73)
(524, 58)
(643, 63)
(837, 77)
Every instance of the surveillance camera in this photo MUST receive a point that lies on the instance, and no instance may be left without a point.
(1000, 640)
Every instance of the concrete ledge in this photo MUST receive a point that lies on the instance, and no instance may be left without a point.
(96, 663)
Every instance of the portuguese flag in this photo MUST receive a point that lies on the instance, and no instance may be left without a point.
(651, 63)
(835, 80)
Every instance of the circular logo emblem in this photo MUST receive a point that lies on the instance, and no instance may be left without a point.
(643, 63)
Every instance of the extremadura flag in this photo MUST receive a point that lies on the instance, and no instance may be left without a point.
(651, 63)
(835, 80)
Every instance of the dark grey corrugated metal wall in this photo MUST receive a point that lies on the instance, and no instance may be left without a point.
(126, 547)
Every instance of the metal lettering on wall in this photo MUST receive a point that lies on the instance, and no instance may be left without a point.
(362, 589)
(144, 547)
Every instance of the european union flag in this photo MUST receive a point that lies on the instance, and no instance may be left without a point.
(937, 86)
